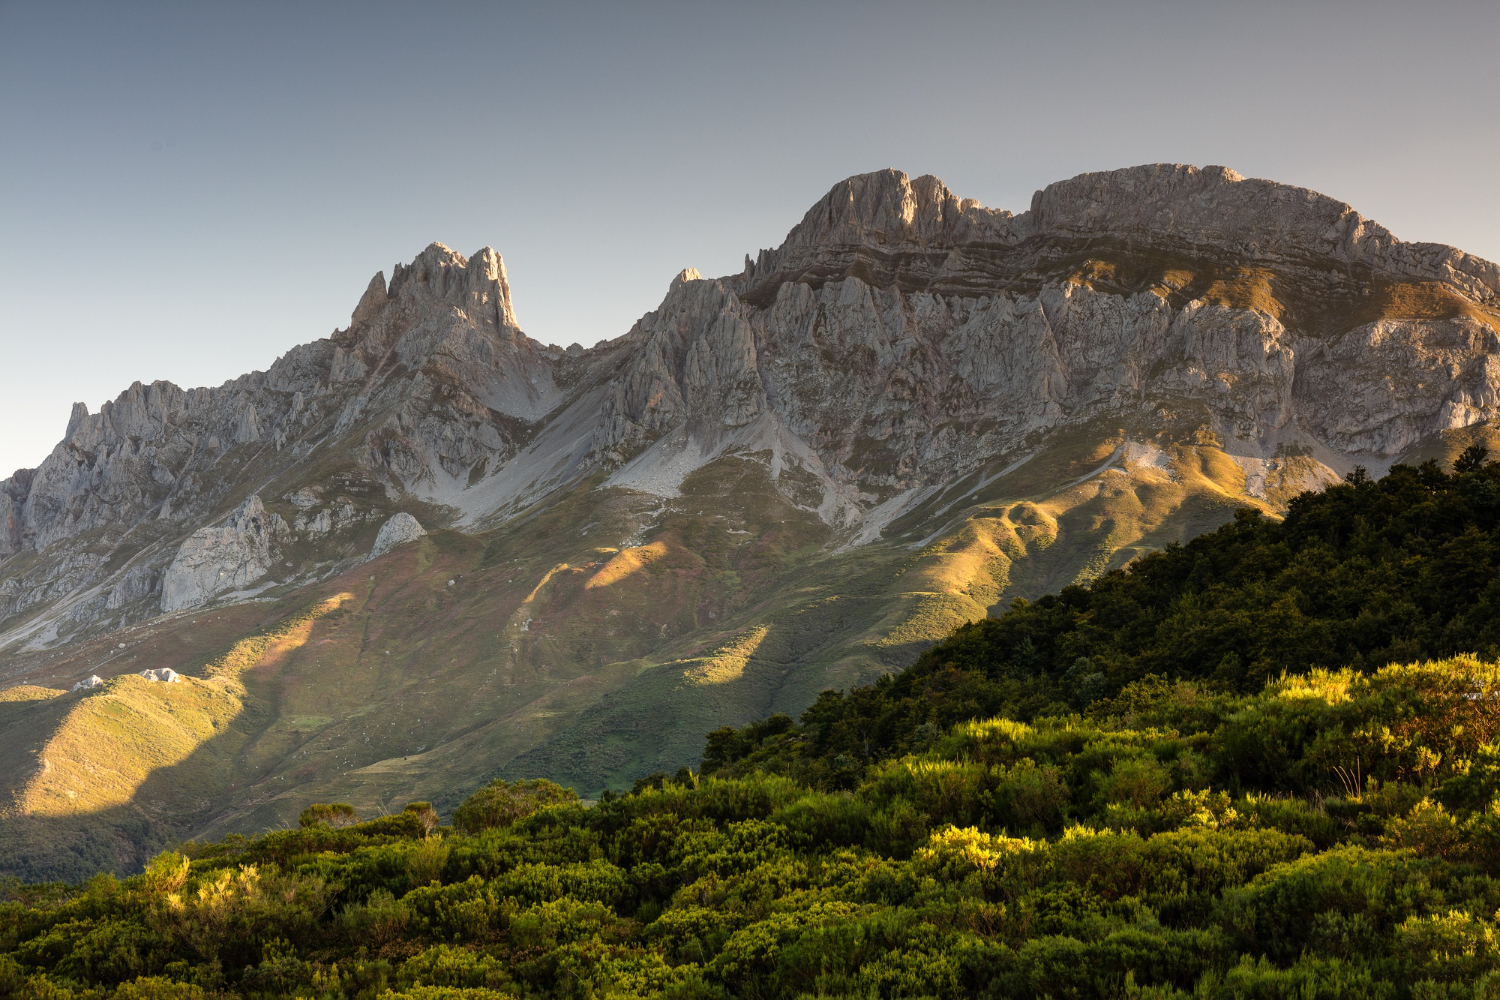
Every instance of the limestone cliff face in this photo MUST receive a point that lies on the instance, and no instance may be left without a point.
(224, 557)
(901, 336)
(924, 232)
(908, 336)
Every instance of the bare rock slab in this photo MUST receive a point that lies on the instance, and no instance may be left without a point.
(399, 530)
(223, 557)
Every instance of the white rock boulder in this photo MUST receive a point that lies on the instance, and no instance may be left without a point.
(223, 557)
(164, 674)
(399, 530)
(89, 683)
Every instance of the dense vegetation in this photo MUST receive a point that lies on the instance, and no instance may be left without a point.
(1363, 574)
(1156, 825)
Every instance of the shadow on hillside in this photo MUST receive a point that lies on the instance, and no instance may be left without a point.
(659, 721)
(70, 849)
(163, 810)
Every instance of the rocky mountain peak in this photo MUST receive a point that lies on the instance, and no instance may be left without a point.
(900, 338)
(889, 228)
(685, 275)
(476, 284)
(372, 301)
(884, 208)
(1217, 208)
(1209, 204)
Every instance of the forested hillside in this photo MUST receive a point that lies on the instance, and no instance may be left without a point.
(1365, 573)
(1263, 764)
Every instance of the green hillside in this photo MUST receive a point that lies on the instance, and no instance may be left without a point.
(1363, 574)
(591, 641)
(999, 820)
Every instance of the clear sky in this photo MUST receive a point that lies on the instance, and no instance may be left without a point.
(186, 191)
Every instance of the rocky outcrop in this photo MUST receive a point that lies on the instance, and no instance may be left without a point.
(88, 683)
(430, 386)
(226, 557)
(399, 530)
(165, 675)
(1215, 207)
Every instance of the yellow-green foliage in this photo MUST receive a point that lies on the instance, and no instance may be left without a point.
(1171, 854)
(501, 803)
(111, 739)
(1419, 722)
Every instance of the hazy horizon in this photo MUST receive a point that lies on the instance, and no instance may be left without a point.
(190, 191)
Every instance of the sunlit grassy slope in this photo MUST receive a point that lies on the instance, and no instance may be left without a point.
(593, 641)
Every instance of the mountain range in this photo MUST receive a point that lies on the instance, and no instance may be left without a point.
(428, 550)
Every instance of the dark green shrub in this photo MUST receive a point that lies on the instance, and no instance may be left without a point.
(501, 803)
(331, 814)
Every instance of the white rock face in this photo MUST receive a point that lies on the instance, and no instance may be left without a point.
(137, 583)
(399, 530)
(88, 683)
(320, 523)
(431, 380)
(164, 674)
(228, 556)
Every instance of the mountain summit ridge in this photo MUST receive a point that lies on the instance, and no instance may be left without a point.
(1204, 205)
(450, 319)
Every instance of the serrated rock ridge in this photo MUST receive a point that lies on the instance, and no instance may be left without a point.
(1210, 207)
(900, 337)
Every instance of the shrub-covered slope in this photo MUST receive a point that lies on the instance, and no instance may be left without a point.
(1335, 835)
(1363, 574)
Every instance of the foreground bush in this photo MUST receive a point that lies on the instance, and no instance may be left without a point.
(501, 803)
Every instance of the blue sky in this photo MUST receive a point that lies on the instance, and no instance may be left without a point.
(186, 191)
